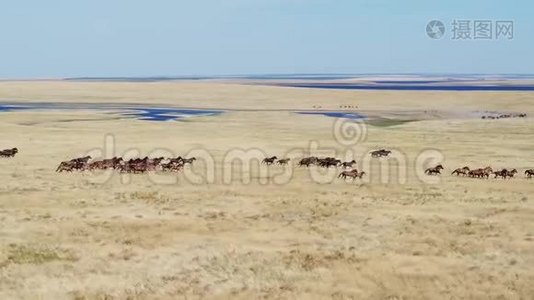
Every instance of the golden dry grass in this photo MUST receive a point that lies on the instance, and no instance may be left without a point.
(78, 236)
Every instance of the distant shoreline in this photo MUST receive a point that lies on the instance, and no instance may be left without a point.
(394, 82)
(416, 87)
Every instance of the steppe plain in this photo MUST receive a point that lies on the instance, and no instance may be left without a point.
(265, 232)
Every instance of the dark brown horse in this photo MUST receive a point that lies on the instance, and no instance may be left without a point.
(348, 164)
(328, 162)
(269, 160)
(9, 152)
(189, 161)
(505, 173)
(512, 173)
(480, 173)
(462, 171)
(79, 164)
(283, 162)
(380, 153)
(65, 166)
(172, 166)
(352, 174)
(307, 161)
(434, 171)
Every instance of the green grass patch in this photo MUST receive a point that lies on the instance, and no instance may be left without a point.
(23, 254)
(388, 122)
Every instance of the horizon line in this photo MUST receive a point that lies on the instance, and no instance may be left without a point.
(260, 75)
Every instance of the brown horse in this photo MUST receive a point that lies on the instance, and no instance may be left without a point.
(307, 161)
(65, 166)
(480, 173)
(502, 173)
(462, 171)
(328, 162)
(434, 171)
(269, 160)
(510, 174)
(529, 173)
(9, 152)
(380, 153)
(283, 162)
(190, 161)
(486, 172)
(108, 163)
(79, 163)
(172, 166)
(348, 164)
(82, 160)
(176, 159)
(352, 174)
(96, 165)
(475, 173)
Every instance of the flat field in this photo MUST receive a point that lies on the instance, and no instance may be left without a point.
(225, 229)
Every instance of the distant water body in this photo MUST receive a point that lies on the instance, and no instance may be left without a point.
(410, 86)
(398, 82)
(417, 78)
(135, 112)
(149, 113)
(336, 114)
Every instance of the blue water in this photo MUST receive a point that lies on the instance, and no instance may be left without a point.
(9, 108)
(406, 81)
(335, 114)
(140, 113)
(426, 78)
(167, 114)
(152, 113)
(412, 87)
(176, 78)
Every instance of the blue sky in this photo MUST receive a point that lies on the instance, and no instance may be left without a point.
(65, 38)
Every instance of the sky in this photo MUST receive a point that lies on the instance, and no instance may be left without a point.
(130, 38)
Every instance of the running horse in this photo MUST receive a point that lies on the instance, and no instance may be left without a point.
(480, 173)
(269, 160)
(9, 152)
(505, 173)
(329, 162)
(79, 163)
(435, 170)
(307, 161)
(462, 171)
(348, 164)
(352, 174)
(380, 153)
(283, 162)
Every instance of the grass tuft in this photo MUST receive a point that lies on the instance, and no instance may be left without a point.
(24, 254)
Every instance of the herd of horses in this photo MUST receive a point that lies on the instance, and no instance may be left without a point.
(328, 162)
(274, 160)
(325, 162)
(487, 171)
(480, 172)
(176, 164)
(134, 165)
(504, 116)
